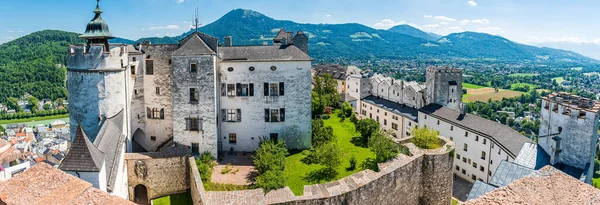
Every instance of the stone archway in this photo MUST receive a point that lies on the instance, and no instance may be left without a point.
(138, 136)
(141, 195)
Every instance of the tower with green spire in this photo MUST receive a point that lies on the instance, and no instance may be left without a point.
(97, 31)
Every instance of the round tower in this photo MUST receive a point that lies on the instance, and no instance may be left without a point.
(444, 86)
(97, 79)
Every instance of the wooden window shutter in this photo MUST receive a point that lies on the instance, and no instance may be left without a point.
(282, 114)
(239, 115)
(266, 89)
(149, 112)
(281, 88)
(162, 113)
(200, 124)
(187, 123)
(238, 89)
(223, 89)
(267, 115)
(251, 88)
(223, 115)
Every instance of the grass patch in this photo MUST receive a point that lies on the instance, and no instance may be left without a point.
(299, 174)
(454, 201)
(210, 186)
(178, 199)
(559, 80)
(523, 75)
(465, 97)
(521, 85)
(495, 96)
(472, 86)
(34, 120)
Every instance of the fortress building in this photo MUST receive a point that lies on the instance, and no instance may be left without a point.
(195, 96)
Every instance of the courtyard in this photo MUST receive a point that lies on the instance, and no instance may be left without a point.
(234, 168)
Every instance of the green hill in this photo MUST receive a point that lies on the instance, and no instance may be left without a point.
(414, 32)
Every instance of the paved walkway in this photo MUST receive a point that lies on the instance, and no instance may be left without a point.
(460, 188)
(242, 169)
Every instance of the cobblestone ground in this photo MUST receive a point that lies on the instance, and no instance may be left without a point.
(242, 169)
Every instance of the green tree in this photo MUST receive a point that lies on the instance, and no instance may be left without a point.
(325, 88)
(321, 134)
(347, 109)
(33, 102)
(46, 106)
(13, 104)
(366, 128)
(330, 156)
(318, 106)
(425, 138)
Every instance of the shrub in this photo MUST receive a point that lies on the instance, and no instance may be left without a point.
(205, 166)
(425, 138)
(347, 109)
(269, 161)
(227, 169)
(352, 163)
(270, 180)
(383, 146)
(370, 163)
(366, 128)
(353, 119)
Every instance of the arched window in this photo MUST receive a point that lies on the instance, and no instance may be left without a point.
(162, 113)
(155, 113)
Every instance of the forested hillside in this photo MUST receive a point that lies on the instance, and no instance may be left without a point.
(34, 64)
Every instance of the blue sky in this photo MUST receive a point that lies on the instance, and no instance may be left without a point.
(525, 21)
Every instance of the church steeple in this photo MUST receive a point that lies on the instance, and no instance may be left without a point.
(97, 29)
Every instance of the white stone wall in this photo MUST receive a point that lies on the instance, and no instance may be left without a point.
(97, 179)
(206, 109)
(98, 87)
(579, 135)
(474, 149)
(295, 131)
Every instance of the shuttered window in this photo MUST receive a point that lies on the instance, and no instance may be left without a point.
(223, 89)
(251, 89)
(281, 89)
(149, 67)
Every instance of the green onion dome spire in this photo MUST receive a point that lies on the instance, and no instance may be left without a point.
(97, 28)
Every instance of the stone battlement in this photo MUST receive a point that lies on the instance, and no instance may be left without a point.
(572, 102)
(443, 69)
(96, 57)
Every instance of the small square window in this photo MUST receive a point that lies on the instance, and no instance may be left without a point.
(157, 91)
(195, 148)
(132, 70)
(476, 138)
(457, 156)
(438, 122)
(193, 68)
(232, 138)
(451, 128)
(473, 177)
(153, 138)
(463, 171)
(475, 165)
(481, 169)
(457, 168)
(484, 140)
(466, 134)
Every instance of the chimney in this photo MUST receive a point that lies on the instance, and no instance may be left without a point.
(463, 109)
(227, 42)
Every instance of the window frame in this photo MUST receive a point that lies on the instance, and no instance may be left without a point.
(193, 68)
(232, 138)
(194, 95)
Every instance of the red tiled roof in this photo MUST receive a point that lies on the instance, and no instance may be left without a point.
(43, 184)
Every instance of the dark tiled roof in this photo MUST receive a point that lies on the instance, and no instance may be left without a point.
(397, 108)
(110, 141)
(83, 156)
(284, 34)
(262, 53)
(501, 134)
(196, 44)
(336, 71)
(345, 97)
(507, 172)
(480, 188)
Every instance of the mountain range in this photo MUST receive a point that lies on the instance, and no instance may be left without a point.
(356, 41)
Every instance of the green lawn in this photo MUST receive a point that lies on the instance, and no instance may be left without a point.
(519, 85)
(524, 75)
(472, 86)
(177, 199)
(465, 97)
(33, 121)
(559, 80)
(297, 172)
(454, 201)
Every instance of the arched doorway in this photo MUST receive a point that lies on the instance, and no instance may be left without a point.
(140, 195)
(138, 136)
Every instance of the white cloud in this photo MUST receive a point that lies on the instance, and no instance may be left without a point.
(431, 26)
(490, 30)
(180, 1)
(9, 37)
(475, 21)
(472, 3)
(11, 31)
(169, 27)
(387, 23)
(453, 29)
(440, 18)
(444, 23)
(328, 15)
